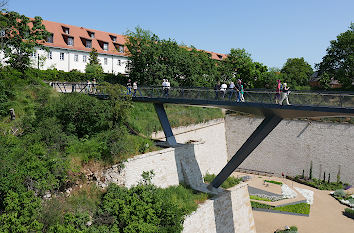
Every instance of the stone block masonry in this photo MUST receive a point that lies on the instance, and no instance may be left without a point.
(293, 144)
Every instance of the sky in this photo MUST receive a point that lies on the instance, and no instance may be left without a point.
(270, 30)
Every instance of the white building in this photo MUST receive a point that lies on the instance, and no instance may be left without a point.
(70, 46)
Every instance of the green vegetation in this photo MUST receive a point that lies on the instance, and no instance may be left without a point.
(292, 229)
(55, 137)
(273, 182)
(301, 208)
(349, 212)
(254, 197)
(228, 183)
(316, 183)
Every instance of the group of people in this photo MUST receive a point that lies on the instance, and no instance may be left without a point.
(91, 86)
(131, 87)
(233, 89)
(282, 93)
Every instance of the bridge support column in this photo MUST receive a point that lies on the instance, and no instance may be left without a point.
(262, 131)
(161, 113)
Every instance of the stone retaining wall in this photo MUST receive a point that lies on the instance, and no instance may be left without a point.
(293, 144)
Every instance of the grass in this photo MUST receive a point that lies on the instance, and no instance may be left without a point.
(228, 183)
(186, 199)
(143, 118)
(273, 182)
(318, 184)
(254, 197)
(301, 208)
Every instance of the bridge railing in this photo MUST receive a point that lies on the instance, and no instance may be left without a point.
(305, 98)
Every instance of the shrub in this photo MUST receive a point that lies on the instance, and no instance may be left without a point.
(339, 193)
(228, 183)
(349, 212)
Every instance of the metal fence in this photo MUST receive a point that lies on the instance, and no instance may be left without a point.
(305, 98)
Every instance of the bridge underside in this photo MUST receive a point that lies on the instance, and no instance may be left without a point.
(272, 113)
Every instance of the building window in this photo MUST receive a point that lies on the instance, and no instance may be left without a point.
(84, 58)
(121, 48)
(113, 38)
(62, 56)
(34, 54)
(2, 33)
(66, 30)
(50, 55)
(88, 43)
(105, 61)
(70, 41)
(91, 34)
(50, 38)
(119, 62)
(105, 46)
(76, 57)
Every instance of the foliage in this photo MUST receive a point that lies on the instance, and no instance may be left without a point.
(297, 72)
(339, 60)
(292, 229)
(255, 197)
(300, 208)
(22, 35)
(228, 183)
(20, 212)
(349, 212)
(273, 182)
(339, 193)
(94, 67)
(316, 183)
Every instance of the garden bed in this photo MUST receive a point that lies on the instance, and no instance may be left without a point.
(318, 184)
(302, 209)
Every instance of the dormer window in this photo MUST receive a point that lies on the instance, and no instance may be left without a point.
(68, 40)
(119, 48)
(105, 46)
(88, 44)
(66, 30)
(219, 56)
(113, 38)
(50, 38)
(91, 34)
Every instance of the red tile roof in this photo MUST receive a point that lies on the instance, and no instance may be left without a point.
(80, 34)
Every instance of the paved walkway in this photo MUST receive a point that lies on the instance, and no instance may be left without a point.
(325, 214)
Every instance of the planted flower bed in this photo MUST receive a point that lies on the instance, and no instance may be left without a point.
(342, 197)
(300, 208)
(318, 184)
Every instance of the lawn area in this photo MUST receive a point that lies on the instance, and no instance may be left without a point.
(228, 183)
(301, 208)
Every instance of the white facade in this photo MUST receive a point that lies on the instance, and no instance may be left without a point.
(67, 60)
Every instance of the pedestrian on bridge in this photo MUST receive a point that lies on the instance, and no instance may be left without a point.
(277, 92)
(231, 90)
(223, 88)
(88, 86)
(284, 94)
(135, 88)
(238, 88)
(129, 87)
(217, 90)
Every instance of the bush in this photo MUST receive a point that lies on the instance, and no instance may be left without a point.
(228, 183)
(339, 193)
(349, 212)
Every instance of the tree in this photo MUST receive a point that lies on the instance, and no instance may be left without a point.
(297, 72)
(239, 65)
(339, 60)
(20, 36)
(94, 66)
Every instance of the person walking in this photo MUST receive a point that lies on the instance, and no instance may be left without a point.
(238, 90)
(88, 86)
(223, 88)
(94, 83)
(284, 94)
(135, 88)
(242, 92)
(129, 87)
(277, 92)
(217, 90)
(168, 86)
(231, 90)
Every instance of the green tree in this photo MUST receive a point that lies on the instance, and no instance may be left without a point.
(94, 65)
(297, 72)
(20, 37)
(339, 60)
(239, 65)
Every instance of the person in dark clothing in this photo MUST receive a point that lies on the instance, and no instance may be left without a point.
(217, 90)
(238, 88)
(129, 87)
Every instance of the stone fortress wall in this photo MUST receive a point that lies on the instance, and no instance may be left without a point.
(293, 144)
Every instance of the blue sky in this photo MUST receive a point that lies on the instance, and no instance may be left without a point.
(270, 30)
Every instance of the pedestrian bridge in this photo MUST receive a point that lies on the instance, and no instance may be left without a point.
(258, 102)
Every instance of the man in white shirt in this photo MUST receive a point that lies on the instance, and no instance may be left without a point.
(223, 89)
